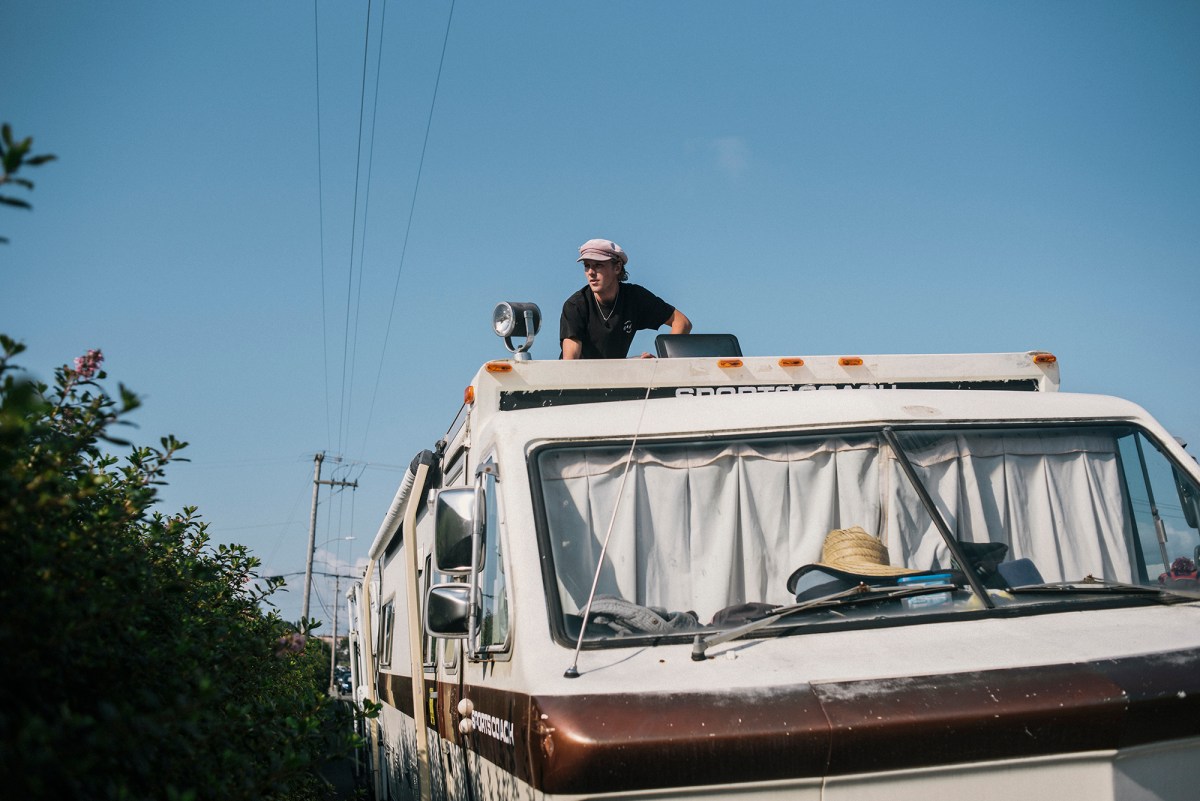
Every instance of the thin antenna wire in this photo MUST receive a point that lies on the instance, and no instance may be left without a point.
(408, 227)
(573, 671)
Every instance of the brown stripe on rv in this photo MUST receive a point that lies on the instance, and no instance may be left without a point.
(608, 743)
(395, 690)
(642, 741)
(1163, 695)
(441, 715)
(966, 717)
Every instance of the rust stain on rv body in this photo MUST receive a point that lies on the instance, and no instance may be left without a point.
(640, 741)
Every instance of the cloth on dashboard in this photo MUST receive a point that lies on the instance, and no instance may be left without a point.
(629, 618)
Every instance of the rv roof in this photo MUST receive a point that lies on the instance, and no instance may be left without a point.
(507, 385)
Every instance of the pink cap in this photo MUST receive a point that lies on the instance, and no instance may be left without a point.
(602, 250)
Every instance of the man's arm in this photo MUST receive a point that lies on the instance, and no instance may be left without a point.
(679, 323)
(573, 348)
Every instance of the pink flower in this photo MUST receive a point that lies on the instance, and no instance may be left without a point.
(290, 644)
(88, 364)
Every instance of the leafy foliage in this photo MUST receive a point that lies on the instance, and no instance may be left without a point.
(14, 154)
(139, 662)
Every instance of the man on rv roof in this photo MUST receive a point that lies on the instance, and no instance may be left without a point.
(599, 321)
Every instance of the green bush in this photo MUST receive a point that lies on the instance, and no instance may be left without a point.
(138, 662)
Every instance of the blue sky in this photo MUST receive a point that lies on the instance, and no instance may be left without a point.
(816, 177)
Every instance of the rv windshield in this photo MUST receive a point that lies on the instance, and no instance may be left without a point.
(711, 534)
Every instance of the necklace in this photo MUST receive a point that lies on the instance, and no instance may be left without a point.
(600, 308)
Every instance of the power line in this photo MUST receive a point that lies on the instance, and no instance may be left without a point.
(353, 307)
(283, 531)
(408, 226)
(321, 216)
(315, 573)
(344, 412)
(362, 245)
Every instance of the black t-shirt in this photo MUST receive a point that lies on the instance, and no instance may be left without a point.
(608, 333)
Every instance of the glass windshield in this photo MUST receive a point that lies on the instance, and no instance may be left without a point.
(711, 534)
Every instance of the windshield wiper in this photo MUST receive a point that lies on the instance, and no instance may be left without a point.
(939, 522)
(860, 593)
(1091, 584)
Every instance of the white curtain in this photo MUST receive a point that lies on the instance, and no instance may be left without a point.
(705, 526)
(1053, 497)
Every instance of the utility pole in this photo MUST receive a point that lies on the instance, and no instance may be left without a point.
(312, 529)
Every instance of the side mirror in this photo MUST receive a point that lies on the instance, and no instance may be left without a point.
(1189, 499)
(458, 514)
(448, 610)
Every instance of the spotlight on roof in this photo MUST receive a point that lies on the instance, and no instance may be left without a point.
(517, 320)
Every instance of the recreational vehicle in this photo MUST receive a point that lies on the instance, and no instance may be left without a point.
(803, 577)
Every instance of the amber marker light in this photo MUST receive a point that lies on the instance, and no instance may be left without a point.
(791, 361)
(469, 396)
(729, 362)
(1044, 358)
(499, 367)
(850, 361)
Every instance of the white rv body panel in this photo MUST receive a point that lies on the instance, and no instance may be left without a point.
(503, 743)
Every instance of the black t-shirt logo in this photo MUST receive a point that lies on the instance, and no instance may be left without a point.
(629, 326)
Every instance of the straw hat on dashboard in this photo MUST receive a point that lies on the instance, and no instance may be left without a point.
(853, 550)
